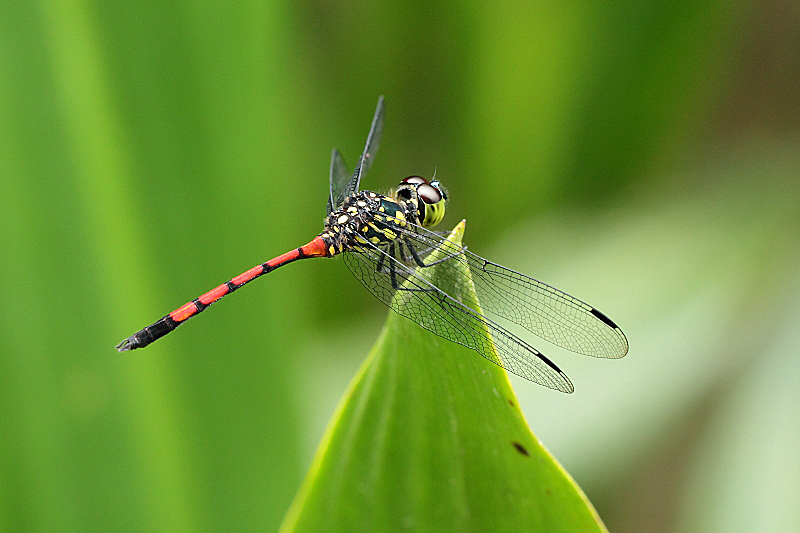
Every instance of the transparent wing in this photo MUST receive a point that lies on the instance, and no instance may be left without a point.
(365, 161)
(412, 293)
(543, 310)
(339, 178)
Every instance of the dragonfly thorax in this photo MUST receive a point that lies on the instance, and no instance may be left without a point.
(367, 217)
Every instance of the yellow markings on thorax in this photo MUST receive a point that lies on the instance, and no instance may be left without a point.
(387, 217)
(387, 233)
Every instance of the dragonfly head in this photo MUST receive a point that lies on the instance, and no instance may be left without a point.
(429, 198)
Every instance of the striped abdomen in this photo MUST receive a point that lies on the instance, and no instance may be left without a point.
(316, 248)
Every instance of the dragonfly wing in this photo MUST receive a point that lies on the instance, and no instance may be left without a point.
(543, 310)
(370, 149)
(339, 179)
(410, 293)
(546, 311)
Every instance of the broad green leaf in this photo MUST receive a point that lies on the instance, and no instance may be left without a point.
(429, 437)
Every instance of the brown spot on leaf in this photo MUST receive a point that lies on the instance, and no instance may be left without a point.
(521, 449)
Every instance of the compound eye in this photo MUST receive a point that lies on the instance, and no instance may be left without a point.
(428, 194)
(438, 186)
(415, 180)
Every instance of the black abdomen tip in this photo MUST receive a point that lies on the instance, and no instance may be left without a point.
(127, 345)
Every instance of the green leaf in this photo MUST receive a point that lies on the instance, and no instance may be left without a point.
(429, 437)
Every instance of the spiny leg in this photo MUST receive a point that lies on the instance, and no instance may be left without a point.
(393, 273)
(379, 266)
(418, 260)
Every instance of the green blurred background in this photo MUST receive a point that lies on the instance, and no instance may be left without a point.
(644, 157)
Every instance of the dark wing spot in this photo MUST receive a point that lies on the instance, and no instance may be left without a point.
(521, 449)
(604, 318)
(511, 403)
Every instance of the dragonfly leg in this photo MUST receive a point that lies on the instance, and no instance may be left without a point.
(418, 260)
(406, 257)
(393, 275)
(379, 266)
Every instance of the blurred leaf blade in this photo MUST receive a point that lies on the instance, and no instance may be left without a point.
(199, 134)
(429, 436)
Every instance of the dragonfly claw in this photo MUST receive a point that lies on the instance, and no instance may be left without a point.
(126, 345)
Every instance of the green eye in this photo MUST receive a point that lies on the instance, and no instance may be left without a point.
(434, 202)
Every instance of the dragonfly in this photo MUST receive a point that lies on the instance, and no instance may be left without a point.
(387, 243)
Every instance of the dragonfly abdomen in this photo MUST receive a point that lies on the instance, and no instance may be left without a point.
(318, 247)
